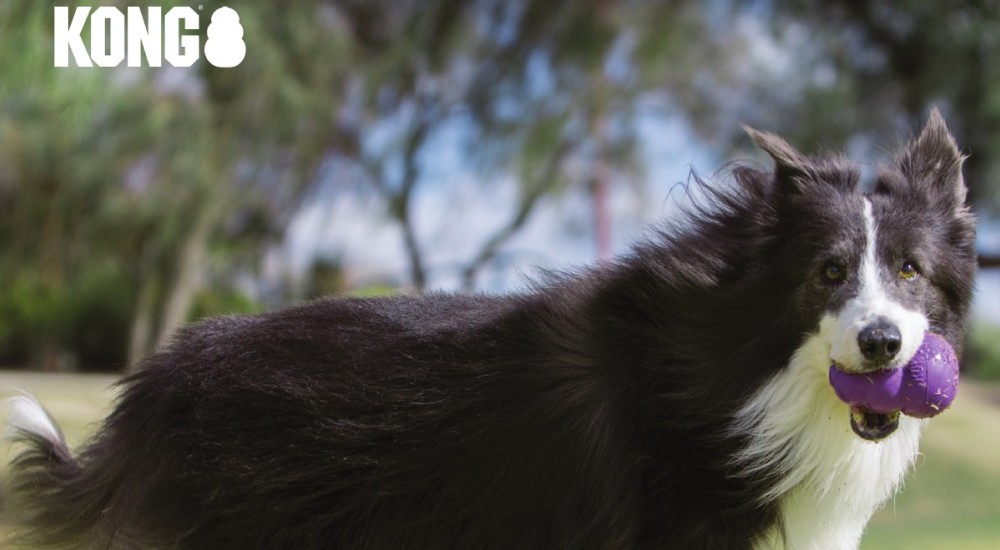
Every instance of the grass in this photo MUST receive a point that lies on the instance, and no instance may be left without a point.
(952, 500)
(77, 401)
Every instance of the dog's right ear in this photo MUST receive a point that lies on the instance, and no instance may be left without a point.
(934, 162)
(787, 160)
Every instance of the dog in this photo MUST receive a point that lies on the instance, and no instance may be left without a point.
(676, 397)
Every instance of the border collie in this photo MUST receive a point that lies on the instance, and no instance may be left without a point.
(674, 398)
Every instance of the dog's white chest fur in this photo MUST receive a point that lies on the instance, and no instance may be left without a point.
(832, 480)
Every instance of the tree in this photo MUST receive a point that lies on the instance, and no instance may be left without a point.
(889, 62)
(151, 185)
(150, 170)
(515, 73)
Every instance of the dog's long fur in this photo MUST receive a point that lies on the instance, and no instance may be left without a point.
(669, 399)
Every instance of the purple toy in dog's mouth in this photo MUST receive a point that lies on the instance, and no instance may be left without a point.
(922, 388)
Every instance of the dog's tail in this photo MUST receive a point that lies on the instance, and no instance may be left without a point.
(44, 502)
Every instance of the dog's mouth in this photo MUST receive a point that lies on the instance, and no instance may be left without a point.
(873, 425)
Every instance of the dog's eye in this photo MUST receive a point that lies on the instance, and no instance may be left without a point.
(909, 271)
(832, 272)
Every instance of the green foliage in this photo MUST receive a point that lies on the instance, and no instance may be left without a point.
(325, 277)
(144, 168)
(374, 291)
(88, 316)
(30, 313)
(99, 313)
(983, 355)
(225, 301)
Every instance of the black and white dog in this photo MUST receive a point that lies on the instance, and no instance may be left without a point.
(675, 398)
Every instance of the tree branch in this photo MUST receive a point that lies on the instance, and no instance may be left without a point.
(400, 201)
(491, 247)
(989, 261)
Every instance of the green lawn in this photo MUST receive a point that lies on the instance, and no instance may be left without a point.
(951, 501)
(77, 401)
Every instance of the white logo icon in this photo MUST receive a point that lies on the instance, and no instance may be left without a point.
(129, 36)
(225, 46)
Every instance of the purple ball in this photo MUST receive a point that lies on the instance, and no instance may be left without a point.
(930, 380)
(878, 391)
(922, 388)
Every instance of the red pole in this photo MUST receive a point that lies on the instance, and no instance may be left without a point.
(602, 170)
(599, 196)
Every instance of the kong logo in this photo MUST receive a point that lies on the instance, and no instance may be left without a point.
(117, 37)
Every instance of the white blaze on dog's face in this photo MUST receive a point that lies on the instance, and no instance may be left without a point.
(873, 330)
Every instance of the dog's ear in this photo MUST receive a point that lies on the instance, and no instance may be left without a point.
(787, 160)
(933, 162)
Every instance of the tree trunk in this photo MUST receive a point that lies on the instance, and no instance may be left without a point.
(188, 277)
(141, 337)
(401, 202)
(599, 132)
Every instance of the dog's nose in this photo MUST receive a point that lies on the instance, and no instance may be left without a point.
(880, 341)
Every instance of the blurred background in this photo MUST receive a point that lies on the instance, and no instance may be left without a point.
(367, 147)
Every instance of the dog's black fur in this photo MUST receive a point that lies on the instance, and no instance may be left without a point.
(564, 419)
(590, 412)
